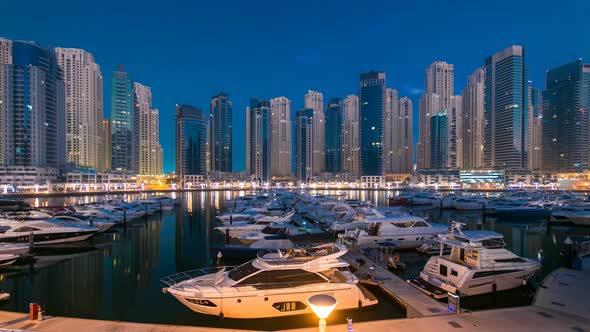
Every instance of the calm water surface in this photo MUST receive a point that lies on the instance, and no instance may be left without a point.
(116, 275)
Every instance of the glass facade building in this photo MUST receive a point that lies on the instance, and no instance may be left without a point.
(566, 107)
(191, 141)
(303, 142)
(33, 108)
(371, 110)
(122, 122)
(333, 132)
(439, 140)
(220, 133)
(505, 110)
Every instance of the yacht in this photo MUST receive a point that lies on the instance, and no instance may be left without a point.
(250, 251)
(477, 264)
(101, 224)
(240, 228)
(273, 229)
(44, 232)
(359, 220)
(273, 285)
(402, 231)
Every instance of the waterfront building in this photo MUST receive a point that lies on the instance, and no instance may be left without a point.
(106, 153)
(454, 135)
(5, 59)
(505, 103)
(333, 131)
(350, 135)
(403, 138)
(390, 122)
(303, 145)
(315, 100)
(191, 135)
(438, 93)
(439, 146)
(220, 133)
(535, 119)
(122, 119)
(281, 139)
(371, 112)
(84, 108)
(146, 133)
(258, 140)
(33, 107)
(473, 120)
(566, 116)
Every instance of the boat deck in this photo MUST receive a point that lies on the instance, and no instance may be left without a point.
(416, 303)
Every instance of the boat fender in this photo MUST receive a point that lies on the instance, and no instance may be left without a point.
(494, 287)
(221, 316)
(360, 304)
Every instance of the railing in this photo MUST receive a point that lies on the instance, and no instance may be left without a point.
(176, 278)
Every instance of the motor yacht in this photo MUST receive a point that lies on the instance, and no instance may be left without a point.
(478, 263)
(241, 228)
(402, 231)
(273, 285)
(101, 224)
(44, 232)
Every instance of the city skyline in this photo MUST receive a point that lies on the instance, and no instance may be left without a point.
(193, 74)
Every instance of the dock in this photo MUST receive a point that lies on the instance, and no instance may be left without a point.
(416, 303)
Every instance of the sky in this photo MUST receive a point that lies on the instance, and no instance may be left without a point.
(188, 51)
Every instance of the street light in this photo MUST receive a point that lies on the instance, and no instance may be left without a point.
(322, 305)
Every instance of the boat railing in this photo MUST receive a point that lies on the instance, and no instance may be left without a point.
(176, 278)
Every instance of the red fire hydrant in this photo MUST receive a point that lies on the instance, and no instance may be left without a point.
(34, 309)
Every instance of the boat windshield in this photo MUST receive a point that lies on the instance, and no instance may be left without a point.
(242, 271)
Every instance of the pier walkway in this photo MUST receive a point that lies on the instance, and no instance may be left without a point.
(416, 303)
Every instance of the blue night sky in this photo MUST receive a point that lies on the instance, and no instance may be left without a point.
(187, 51)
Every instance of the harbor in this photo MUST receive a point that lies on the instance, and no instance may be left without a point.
(116, 274)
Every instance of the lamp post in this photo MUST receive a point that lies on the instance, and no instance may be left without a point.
(322, 305)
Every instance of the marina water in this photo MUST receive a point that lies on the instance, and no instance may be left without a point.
(116, 275)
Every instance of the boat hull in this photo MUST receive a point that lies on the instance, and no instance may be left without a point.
(272, 303)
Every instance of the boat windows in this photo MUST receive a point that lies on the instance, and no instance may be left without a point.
(282, 279)
(484, 274)
(206, 303)
(443, 270)
(510, 260)
(406, 224)
(496, 243)
(3, 229)
(420, 224)
(289, 306)
(242, 271)
(26, 229)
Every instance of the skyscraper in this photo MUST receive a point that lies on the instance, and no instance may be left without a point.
(473, 120)
(372, 108)
(566, 109)
(122, 118)
(281, 139)
(350, 135)
(33, 106)
(146, 133)
(191, 135)
(333, 134)
(303, 145)
(505, 106)
(454, 135)
(439, 141)
(220, 133)
(535, 132)
(403, 147)
(5, 59)
(315, 100)
(439, 88)
(106, 133)
(258, 140)
(84, 107)
(390, 119)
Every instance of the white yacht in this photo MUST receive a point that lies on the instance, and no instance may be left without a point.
(477, 264)
(240, 228)
(274, 285)
(44, 232)
(403, 231)
(273, 229)
(359, 220)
